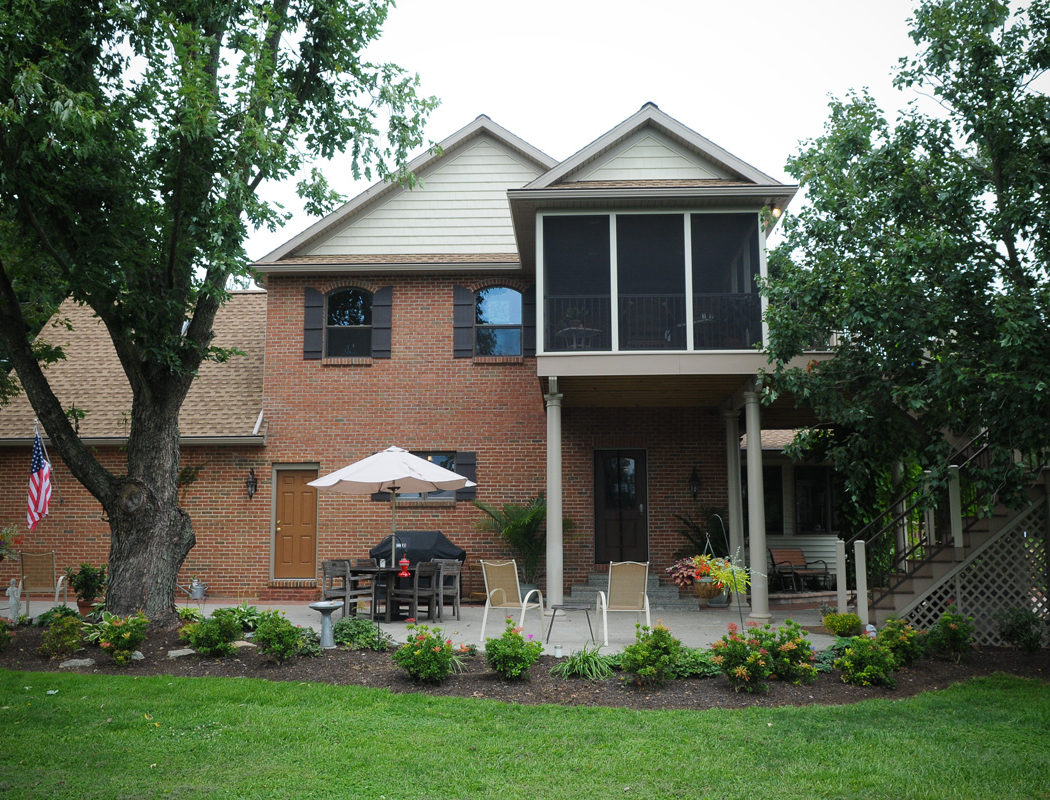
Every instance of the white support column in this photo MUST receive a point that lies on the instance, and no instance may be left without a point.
(736, 500)
(955, 510)
(555, 562)
(860, 563)
(840, 576)
(756, 514)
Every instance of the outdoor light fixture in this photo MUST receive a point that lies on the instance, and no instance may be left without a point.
(694, 483)
(252, 483)
(775, 211)
(403, 563)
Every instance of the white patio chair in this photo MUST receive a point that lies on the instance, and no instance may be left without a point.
(502, 591)
(627, 592)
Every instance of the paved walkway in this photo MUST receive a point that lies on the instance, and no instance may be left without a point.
(694, 628)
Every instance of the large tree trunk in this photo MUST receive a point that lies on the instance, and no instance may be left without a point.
(151, 535)
(149, 543)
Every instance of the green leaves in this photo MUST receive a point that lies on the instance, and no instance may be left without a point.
(924, 248)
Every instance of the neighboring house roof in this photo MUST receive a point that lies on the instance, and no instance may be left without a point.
(773, 439)
(224, 403)
(467, 174)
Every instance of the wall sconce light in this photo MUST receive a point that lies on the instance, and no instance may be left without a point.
(252, 484)
(775, 211)
(694, 483)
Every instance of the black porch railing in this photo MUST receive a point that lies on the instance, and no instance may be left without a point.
(653, 322)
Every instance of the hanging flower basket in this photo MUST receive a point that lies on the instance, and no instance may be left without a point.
(707, 588)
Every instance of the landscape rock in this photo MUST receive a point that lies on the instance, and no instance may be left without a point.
(182, 651)
(77, 663)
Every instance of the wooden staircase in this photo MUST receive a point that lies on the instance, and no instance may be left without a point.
(925, 554)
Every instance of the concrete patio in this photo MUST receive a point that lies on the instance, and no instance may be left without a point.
(695, 628)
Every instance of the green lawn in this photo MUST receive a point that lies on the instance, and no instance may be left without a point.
(99, 736)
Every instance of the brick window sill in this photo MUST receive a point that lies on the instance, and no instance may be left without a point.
(438, 502)
(499, 359)
(355, 361)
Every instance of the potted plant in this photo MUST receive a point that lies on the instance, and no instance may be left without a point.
(522, 526)
(89, 583)
(9, 541)
(704, 573)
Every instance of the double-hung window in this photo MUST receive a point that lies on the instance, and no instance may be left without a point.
(348, 323)
(497, 322)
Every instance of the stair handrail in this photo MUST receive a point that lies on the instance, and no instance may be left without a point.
(917, 498)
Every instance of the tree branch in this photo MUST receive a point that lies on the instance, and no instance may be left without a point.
(84, 466)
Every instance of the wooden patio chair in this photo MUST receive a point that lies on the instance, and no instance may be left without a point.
(502, 591)
(448, 583)
(791, 562)
(421, 589)
(627, 592)
(338, 583)
(37, 574)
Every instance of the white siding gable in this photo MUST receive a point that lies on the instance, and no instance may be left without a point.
(648, 155)
(461, 207)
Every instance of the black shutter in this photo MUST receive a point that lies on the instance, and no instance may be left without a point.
(528, 322)
(462, 322)
(313, 323)
(467, 466)
(382, 321)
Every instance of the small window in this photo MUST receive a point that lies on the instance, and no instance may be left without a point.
(348, 324)
(442, 459)
(497, 322)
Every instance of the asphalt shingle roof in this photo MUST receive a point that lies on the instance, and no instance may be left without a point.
(225, 399)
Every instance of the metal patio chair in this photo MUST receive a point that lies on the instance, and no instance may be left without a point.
(627, 592)
(502, 591)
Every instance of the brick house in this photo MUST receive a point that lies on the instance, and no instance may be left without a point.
(584, 328)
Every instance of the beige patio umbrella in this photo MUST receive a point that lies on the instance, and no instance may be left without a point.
(392, 470)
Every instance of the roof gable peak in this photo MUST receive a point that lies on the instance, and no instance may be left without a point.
(649, 116)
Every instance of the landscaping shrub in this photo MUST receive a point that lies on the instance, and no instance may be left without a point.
(652, 657)
(906, 643)
(585, 663)
(5, 635)
(62, 637)
(842, 624)
(865, 662)
(309, 643)
(951, 636)
(825, 660)
(358, 633)
(1021, 627)
(213, 636)
(695, 662)
(45, 619)
(511, 655)
(248, 617)
(277, 637)
(743, 660)
(791, 653)
(119, 636)
(426, 656)
(190, 614)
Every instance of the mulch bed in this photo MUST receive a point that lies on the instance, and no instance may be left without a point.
(367, 668)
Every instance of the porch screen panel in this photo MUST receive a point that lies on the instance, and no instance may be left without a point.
(650, 277)
(576, 283)
(727, 312)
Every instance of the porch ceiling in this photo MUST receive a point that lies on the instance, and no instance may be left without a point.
(673, 391)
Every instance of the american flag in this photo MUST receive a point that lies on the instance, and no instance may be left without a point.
(39, 484)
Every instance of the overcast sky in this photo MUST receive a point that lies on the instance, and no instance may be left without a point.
(754, 77)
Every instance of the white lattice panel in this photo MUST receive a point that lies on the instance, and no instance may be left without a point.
(1009, 572)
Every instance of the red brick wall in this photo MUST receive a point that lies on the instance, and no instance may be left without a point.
(232, 532)
(420, 399)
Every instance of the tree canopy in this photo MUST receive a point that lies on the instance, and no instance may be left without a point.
(922, 252)
(133, 139)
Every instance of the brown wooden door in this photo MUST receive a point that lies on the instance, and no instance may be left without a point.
(621, 529)
(295, 537)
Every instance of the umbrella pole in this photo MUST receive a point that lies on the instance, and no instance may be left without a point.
(393, 525)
